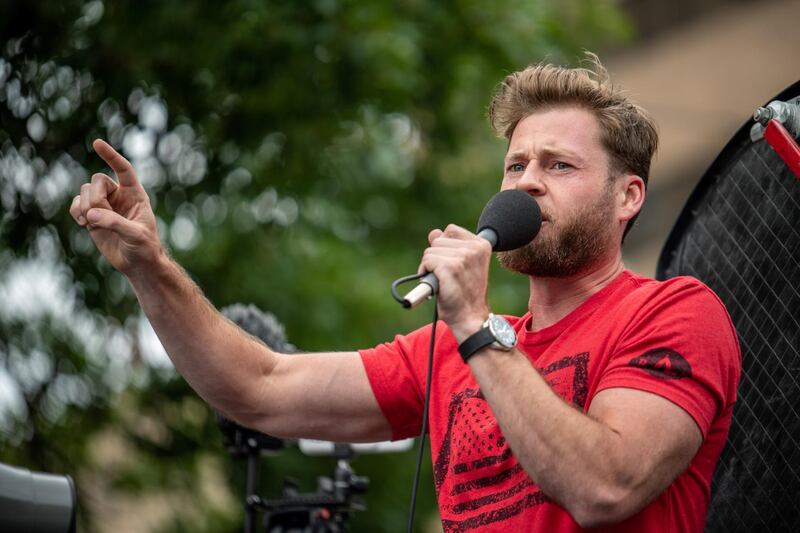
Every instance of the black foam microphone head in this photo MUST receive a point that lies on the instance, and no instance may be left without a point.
(514, 216)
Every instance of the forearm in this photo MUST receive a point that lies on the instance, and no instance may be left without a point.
(576, 460)
(225, 366)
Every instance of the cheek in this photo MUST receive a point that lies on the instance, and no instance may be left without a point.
(566, 211)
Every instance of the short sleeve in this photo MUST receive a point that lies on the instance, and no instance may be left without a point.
(396, 382)
(680, 345)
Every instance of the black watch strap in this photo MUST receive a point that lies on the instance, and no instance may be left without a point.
(475, 343)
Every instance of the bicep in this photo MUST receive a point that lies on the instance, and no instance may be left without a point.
(658, 439)
(322, 395)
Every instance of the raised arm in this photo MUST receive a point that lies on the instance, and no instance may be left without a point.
(323, 396)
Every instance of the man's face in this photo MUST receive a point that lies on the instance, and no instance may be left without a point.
(556, 155)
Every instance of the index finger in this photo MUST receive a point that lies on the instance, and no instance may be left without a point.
(434, 234)
(121, 166)
(457, 232)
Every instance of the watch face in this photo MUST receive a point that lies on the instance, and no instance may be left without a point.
(503, 331)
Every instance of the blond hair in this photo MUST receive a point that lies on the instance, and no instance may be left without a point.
(628, 133)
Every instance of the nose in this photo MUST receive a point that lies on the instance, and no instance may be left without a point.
(531, 181)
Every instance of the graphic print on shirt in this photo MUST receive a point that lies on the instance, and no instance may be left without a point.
(478, 480)
(663, 363)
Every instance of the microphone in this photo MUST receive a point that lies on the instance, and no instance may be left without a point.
(510, 220)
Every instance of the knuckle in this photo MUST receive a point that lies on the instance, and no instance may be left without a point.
(484, 246)
(85, 187)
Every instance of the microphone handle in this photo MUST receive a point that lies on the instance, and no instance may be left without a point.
(429, 284)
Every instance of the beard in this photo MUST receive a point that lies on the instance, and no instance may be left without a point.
(577, 245)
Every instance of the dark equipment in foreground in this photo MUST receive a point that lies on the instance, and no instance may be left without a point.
(34, 502)
(325, 511)
(740, 234)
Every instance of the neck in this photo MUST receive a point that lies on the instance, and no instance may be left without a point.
(554, 298)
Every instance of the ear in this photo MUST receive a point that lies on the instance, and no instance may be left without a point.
(630, 195)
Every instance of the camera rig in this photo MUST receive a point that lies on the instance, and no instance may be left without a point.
(325, 511)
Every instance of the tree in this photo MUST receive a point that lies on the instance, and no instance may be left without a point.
(296, 154)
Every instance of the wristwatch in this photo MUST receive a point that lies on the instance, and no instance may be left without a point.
(495, 332)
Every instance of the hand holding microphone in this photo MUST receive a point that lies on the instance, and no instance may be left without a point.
(511, 219)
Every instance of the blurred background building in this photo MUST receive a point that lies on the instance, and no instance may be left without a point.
(701, 69)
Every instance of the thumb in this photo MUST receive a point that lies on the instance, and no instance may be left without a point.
(109, 220)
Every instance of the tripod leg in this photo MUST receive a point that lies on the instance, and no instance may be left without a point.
(250, 513)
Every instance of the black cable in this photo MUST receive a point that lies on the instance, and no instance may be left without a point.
(426, 402)
(424, 418)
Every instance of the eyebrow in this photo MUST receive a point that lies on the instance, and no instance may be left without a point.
(545, 153)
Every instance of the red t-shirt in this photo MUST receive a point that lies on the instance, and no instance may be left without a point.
(671, 338)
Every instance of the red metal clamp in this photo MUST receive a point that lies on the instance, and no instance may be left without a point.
(784, 145)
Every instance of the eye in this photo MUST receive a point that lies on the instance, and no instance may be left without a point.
(516, 167)
(560, 165)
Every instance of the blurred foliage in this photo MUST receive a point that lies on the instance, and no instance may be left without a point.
(297, 154)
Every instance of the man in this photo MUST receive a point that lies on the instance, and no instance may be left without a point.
(611, 406)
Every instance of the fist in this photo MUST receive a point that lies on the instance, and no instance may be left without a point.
(460, 259)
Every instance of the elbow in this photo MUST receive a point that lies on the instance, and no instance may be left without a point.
(245, 409)
(250, 401)
(605, 506)
(268, 425)
(240, 419)
(236, 416)
(249, 415)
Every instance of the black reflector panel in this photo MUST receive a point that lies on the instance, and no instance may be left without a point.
(740, 234)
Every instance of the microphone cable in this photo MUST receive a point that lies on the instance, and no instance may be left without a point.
(426, 402)
(515, 216)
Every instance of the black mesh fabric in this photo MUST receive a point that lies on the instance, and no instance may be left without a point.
(740, 234)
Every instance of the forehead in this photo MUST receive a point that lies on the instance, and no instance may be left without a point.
(558, 129)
